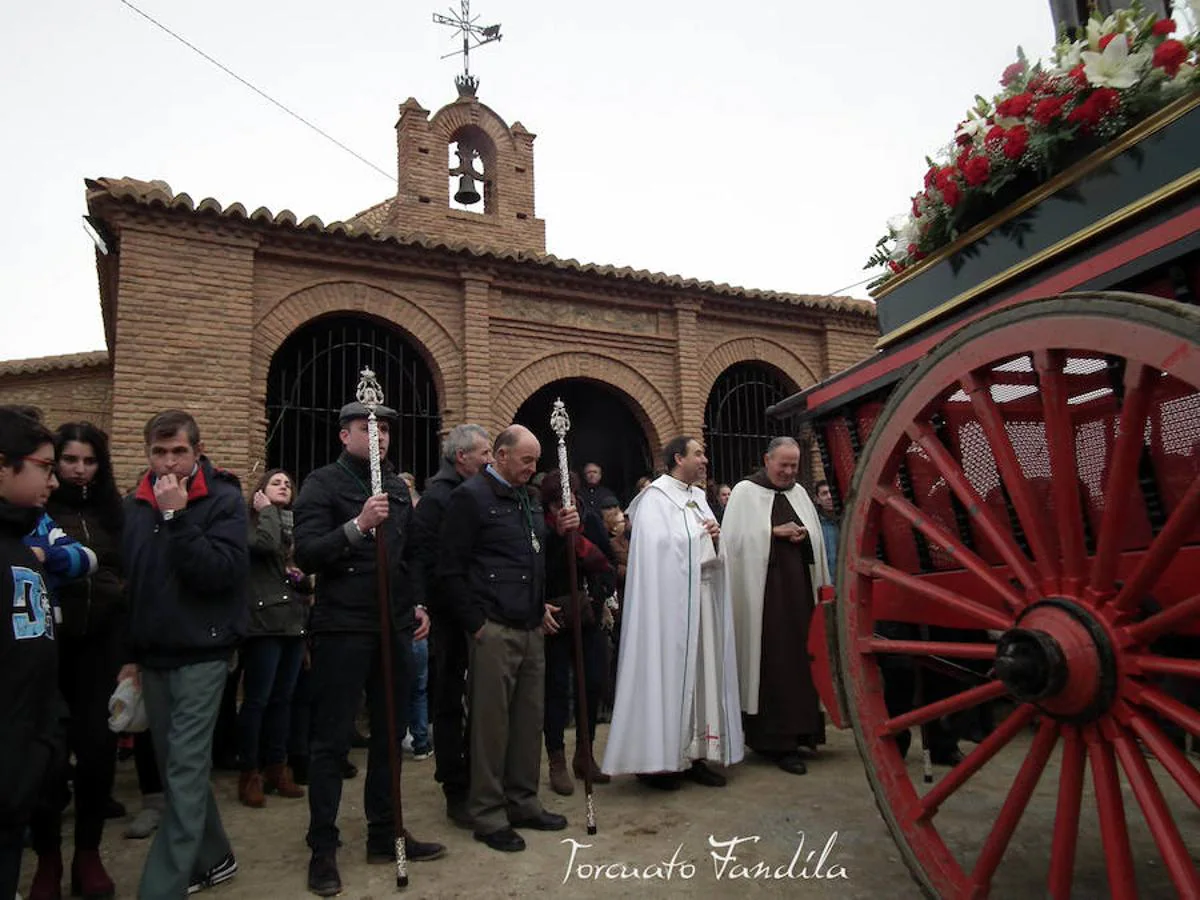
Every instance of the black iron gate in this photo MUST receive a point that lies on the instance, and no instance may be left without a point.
(315, 372)
(736, 427)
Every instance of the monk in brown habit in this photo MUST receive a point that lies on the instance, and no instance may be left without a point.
(775, 559)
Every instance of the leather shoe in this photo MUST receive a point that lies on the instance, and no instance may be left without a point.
(702, 774)
(543, 821)
(323, 877)
(414, 851)
(949, 758)
(661, 781)
(793, 763)
(505, 840)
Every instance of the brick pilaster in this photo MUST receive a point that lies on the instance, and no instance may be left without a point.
(687, 368)
(476, 358)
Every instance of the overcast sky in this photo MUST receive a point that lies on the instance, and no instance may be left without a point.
(760, 144)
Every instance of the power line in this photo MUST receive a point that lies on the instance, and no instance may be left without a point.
(153, 21)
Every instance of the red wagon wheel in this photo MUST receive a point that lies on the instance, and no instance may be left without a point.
(1036, 482)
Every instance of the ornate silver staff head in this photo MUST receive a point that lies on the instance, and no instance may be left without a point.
(370, 395)
(560, 424)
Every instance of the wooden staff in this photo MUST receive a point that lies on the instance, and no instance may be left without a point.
(370, 395)
(561, 424)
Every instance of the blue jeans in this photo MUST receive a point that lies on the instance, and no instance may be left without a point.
(272, 665)
(418, 711)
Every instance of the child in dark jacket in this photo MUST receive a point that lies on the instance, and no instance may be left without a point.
(31, 726)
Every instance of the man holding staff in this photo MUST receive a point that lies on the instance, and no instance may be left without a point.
(338, 521)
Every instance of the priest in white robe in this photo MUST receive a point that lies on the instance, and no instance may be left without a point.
(677, 702)
(775, 559)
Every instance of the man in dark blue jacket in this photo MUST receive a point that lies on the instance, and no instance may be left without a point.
(491, 568)
(338, 520)
(187, 566)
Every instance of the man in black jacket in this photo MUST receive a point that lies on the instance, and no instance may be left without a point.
(492, 574)
(337, 522)
(186, 565)
(466, 450)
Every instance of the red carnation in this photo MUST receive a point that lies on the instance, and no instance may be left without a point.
(914, 252)
(947, 184)
(915, 211)
(1012, 73)
(1015, 107)
(975, 170)
(1079, 76)
(895, 266)
(963, 138)
(1040, 84)
(1101, 103)
(930, 175)
(995, 135)
(1170, 55)
(1046, 111)
(1016, 142)
(1163, 27)
(1108, 39)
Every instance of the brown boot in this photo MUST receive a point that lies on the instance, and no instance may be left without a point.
(578, 765)
(250, 790)
(277, 778)
(47, 880)
(560, 778)
(88, 878)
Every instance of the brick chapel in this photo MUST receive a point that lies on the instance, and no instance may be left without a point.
(447, 292)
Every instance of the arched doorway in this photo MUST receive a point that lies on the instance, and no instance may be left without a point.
(736, 427)
(604, 430)
(315, 372)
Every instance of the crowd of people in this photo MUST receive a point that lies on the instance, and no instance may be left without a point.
(450, 613)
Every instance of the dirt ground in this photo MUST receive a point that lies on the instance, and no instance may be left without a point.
(772, 812)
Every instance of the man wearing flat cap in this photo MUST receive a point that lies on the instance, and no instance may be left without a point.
(338, 522)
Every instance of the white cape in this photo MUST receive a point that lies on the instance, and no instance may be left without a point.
(677, 695)
(746, 550)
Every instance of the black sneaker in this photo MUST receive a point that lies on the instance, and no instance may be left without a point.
(323, 877)
(225, 869)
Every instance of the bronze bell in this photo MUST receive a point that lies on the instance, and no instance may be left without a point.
(466, 194)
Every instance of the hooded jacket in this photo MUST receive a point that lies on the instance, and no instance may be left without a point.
(188, 578)
(32, 730)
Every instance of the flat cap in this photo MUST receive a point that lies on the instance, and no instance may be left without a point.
(356, 410)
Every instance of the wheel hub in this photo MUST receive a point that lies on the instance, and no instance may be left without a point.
(1060, 658)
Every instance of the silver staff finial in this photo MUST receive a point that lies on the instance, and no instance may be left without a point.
(560, 422)
(369, 392)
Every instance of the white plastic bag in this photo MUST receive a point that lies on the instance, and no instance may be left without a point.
(126, 709)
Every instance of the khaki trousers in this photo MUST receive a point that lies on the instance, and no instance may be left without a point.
(508, 673)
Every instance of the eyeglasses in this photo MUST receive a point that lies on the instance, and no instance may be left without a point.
(47, 465)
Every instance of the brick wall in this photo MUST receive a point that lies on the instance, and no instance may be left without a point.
(69, 395)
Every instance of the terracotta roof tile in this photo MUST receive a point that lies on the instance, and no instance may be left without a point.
(39, 364)
(368, 225)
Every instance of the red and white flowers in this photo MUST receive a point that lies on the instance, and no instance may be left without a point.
(1126, 67)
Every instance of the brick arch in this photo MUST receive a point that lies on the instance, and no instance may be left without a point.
(430, 339)
(449, 120)
(644, 399)
(754, 350)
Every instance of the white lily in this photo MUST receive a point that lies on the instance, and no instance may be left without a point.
(1097, 29)
(1069, 55)
(974, 128)
(1115, 66)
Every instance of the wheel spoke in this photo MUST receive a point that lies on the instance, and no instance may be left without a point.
(1154, 809)
(1118, 857)
(1167, 753)
(960, 701)
(1168, 707)
(1001, 539)
(1031, 518)
(930, 648)
(974, 761)
(1165, 665)
(934, 531)
(1066, 818)
(1014, 805)
(1060, 441)
(984, 615)
(1156, 559)
(1139, 383)
(1160, 623)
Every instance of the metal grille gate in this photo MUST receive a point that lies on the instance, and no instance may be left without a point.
(736, 427)
(315, 373)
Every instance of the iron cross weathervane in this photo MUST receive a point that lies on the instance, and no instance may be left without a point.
(473, 35)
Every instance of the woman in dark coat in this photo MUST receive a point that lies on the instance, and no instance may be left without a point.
(274, 648)
(91, 651)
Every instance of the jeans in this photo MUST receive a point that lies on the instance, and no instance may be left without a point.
(272, 665)
(418, 709)
(342, 665)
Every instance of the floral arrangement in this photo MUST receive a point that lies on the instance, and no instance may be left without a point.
(1047, 116)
